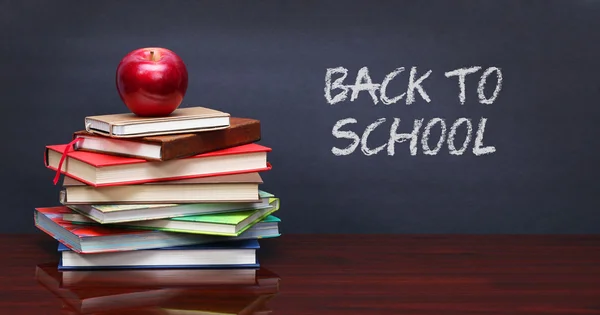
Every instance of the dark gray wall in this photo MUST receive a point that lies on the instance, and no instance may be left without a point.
(267, 60)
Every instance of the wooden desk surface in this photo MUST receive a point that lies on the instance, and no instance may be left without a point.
(361, 274)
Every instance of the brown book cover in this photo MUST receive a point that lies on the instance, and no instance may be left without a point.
(241, 131)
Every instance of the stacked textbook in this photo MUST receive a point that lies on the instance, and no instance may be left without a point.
(175, 192)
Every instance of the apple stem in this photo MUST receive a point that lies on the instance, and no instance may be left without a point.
(152, 55)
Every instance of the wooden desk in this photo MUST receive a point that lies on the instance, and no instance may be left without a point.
(343, 274)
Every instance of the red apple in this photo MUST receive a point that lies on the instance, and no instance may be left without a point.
(152, 81)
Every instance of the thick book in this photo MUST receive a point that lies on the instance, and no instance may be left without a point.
(169, 147)
(116, 213)
(222, 224)
(101, 238)
(182, 120)
(234, 254)
(227, 188)
(99, 170)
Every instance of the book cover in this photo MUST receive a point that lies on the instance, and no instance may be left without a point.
(169, 147)
(85, 166)
(175, 257)
(224, 179)
(103, 160)
(101, 238)
(267, 228)
(118, 213)
(189, 119)
(218, 224)
(236, 188)
(239, 244)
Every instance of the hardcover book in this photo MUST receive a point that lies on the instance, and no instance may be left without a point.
(222, 224)
(182, 120)
(99, 170)
(266, 228)
(100, 239)
(241, 188)
(169, 147)
(234, 254)
(116, 213)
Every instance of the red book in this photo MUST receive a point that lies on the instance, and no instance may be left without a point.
(98, 169)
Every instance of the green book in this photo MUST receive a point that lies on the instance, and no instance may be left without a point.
(224, 224)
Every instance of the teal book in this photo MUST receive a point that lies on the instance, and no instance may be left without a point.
(271, 219)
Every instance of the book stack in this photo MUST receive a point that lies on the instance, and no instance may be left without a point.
(180, 192)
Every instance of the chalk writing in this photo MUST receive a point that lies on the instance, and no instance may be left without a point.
(413, 137)
(434, 135)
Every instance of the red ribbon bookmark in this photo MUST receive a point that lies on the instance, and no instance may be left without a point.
(70, 145)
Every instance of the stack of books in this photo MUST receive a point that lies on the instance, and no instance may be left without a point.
(180, 191)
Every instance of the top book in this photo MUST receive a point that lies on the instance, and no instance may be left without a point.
(169, 147)
(182, 120)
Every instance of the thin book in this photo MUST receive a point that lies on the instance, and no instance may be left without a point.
(182, 120)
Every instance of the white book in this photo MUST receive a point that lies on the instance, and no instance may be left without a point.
(238, 254)
(182, 120)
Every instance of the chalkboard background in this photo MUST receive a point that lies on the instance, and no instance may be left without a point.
(268, 59)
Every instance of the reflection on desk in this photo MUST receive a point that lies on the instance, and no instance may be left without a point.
(350, 275)
(161, 291)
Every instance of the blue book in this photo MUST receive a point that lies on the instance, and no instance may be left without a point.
(232, 254)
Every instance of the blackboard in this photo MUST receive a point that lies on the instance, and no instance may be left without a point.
(269, 59)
